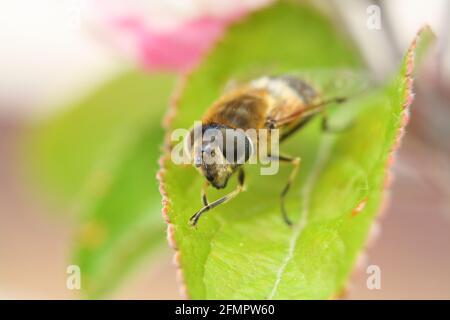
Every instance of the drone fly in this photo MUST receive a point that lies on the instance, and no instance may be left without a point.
(282, 102)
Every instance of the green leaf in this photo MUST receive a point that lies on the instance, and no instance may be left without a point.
(243, 249)
(100, 158)
(125, 226)
(72, 154)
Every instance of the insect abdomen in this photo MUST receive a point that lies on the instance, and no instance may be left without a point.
(301, 88)
(286, 87)
(242, 111)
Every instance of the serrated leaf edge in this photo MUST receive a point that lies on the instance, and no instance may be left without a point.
(375, 228)
(408, 99)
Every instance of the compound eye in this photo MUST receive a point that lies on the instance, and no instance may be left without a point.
(237, 147)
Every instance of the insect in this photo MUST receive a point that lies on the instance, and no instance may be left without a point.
(282, 102)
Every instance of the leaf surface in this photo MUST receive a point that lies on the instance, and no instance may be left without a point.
(243, 249)
(99, 160)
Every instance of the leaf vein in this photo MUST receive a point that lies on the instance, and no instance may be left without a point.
(322, 157)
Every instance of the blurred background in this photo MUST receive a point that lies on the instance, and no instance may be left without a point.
(83, 62)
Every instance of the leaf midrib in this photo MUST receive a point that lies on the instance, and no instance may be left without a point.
(323, 153)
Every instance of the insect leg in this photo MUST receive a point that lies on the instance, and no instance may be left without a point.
(297, 127)
(296, 163)
(204, 197)
(241, 178)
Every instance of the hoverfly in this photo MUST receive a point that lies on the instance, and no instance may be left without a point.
(282, 102)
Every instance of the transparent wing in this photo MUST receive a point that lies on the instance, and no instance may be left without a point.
(328, 83)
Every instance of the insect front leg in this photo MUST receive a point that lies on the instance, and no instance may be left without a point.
(204, 197)
(208, 206)
(295, 161)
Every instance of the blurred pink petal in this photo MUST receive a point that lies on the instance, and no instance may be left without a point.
(167, 34)
(177, 49)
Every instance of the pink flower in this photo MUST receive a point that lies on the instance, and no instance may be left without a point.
(179, 48)
(181, 45)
